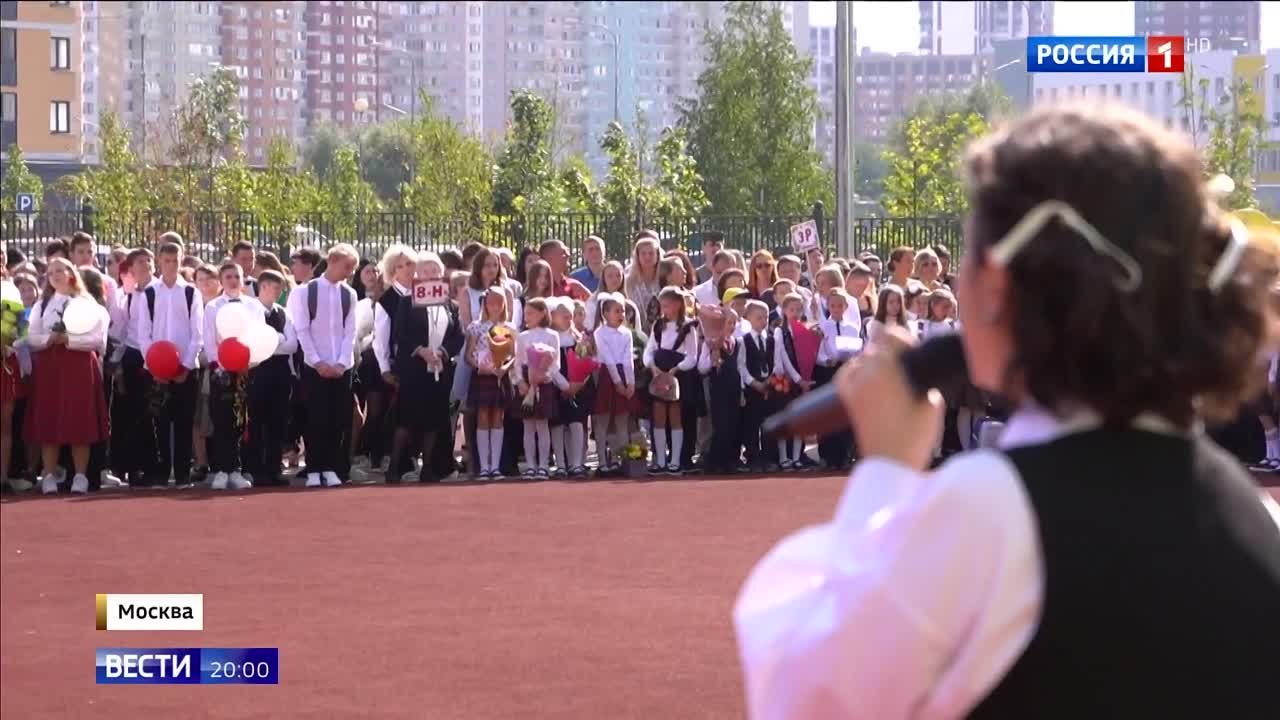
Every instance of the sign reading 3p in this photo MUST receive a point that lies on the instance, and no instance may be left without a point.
(430, 292)
(804, 236)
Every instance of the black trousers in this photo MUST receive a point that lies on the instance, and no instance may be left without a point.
(133, 432)
(328, 431)
(834, 449)
(173, 430)
(726, 419)
(270, 388)
(753, 415)
(227, 409)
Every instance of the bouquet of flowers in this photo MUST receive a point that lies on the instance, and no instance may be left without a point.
(581, 362)
(634, 454)
(780, 384)
(540, 359)
(12, 315)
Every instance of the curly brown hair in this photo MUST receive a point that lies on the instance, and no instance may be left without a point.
(1173, 346)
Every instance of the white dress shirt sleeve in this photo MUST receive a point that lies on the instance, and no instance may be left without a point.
(690, 350)
(288, 343)
(145, 323)
(382, 338)
(826, 351)
(650, 347)
(628, 358)
(301, 317)
(211, 330)
(704, 359)
(781, 361)
(195, 341)
(743, 372)
(347, 343)
(912, 602)
(38, 330)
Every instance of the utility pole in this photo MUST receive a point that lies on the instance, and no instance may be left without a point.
(844, 129)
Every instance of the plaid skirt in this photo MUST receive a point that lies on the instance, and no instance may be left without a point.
(488, 391)
(609, 399)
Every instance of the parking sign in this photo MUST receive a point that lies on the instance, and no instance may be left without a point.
(26, 203)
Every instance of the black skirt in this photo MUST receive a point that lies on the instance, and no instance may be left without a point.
(368, 375)
(422, 403)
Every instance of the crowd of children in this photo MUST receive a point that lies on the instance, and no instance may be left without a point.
(669, 368)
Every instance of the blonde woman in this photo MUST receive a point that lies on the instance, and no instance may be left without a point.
(641, 283)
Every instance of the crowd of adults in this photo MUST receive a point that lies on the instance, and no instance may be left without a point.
(528, 368)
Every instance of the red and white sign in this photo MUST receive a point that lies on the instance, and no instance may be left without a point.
(804, 236)
(430, 292)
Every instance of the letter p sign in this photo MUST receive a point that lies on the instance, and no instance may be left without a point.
(25, 203)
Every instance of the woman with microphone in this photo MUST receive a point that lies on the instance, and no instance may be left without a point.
(1108, 561)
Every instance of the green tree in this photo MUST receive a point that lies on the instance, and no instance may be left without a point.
(678, 185)
(386, 157)
(209, 128)
(623, 191)
(117, 187)
(869, 170)
(282, 194)
(345, 194)
(18, 178)
(1236, 139)
(524, 175)
(451, 171)
(321, 147)
(923, 177)
(750, 129)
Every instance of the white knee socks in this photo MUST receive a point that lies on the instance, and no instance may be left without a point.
(557, 445)
(577, 446)
(660, 446)
(495, 448)
(600, 424)
(1273, 444)
(677, 445)
(482, 449)
(542, 430)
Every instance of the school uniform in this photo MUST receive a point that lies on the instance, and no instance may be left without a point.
(726, 390)
(135, 447)
(68, 406)
(378, 430)
(755, 364)
(174, 314)
(323, 315)
(228, 396)
(270, 387)
(568, 426)
(425, 390)
(785, 365)
(614, 350)
(841, 340)
(536, 417)
(674, 348)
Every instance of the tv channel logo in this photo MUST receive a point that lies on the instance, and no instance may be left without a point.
(1154, 54)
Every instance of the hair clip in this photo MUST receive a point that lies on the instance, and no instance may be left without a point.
(1026, 230)
(1229, 260)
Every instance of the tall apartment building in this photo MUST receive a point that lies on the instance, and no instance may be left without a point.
(103, 72)
(40, 80)
(822, 46)
(435, 47)
(957, 28)
(887, 86)
(342, 63)
(1235, 25)
(264, 43)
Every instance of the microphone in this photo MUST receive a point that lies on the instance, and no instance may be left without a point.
(936, 362)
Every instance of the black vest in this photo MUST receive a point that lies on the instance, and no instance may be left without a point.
(759, 359)
(726, 383)
(1162, 584)
(390, 302)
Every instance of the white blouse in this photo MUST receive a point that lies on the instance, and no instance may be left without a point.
(528, 339)
(781, 360)
(382, 330)
(668, 342)
(42, 322)
(614, 347)
(917, 597)
(833, 349)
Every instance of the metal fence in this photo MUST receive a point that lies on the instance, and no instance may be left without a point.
(208, 235)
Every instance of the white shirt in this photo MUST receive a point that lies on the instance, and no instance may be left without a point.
(759, 339)
(41, 326)
(288, 340)
(526, 340)
(331, 338)
(211, 337)
(830, 350)
(614, 347)
(668, 342)
(382, 331)
(928, 328)
(914, 601)
(782, 364)
(173, 321)
(133, 308)
(705, 293)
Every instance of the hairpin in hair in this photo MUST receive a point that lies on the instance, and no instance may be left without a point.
(1026, 230)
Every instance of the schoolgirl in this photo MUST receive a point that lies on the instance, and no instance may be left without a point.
(671, 351)
(488, 350)
(486, 272)
(399, 267)
(616, 382)
(671, 273)
(718, 362)
(568, 426)
(786, 366)
(938, 320)
(890, 311)
(427, 339)
(536, 398)
(841, 340)
(69, 406)
(611, 283)
(861, 288)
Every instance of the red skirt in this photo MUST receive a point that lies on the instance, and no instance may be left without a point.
(610, 400)
(12, 386)
(68, 406)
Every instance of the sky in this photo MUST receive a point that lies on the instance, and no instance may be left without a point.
(893, 25)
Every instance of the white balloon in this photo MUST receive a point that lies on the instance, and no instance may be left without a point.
(81, 315)
(9, 291)
(261, 339)
(233, 321)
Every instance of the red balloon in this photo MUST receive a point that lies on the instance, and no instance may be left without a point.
(163, 361)
(233, 356)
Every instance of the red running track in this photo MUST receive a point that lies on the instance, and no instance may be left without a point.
(542, 600)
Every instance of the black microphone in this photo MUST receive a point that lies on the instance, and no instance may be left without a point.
(936, 362)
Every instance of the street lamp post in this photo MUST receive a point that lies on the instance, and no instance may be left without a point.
(617, 116)
(413, 76)
(845, 186)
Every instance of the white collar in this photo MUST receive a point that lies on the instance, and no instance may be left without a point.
(400, 288)
(1033, 425)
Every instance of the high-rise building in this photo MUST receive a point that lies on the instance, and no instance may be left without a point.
(887, 86)
(960, 28)
(822, 45)
(40, 80)
(343, 83)
(435, 48)
(103, 71)
(264, 43)
(1233, 25)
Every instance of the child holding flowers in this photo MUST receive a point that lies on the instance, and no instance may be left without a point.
(490, 350)
(617, 381)
(537, 366)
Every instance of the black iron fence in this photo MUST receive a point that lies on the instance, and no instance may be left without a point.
(208, 235)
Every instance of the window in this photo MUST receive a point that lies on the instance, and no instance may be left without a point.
(8, 56)
(59, 117)
(9, 107)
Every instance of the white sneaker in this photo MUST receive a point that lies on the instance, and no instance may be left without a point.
(240, 482)
(49, 485)
(111, 481)
(80, 485)
(20, 485)
(331, 479)
(219, 481)
(362, 462)
(358, 475)
(313, 480)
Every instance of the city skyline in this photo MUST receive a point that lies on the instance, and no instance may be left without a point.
(892, 26)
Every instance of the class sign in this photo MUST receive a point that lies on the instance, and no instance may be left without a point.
(804, 237)
(430, 292)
